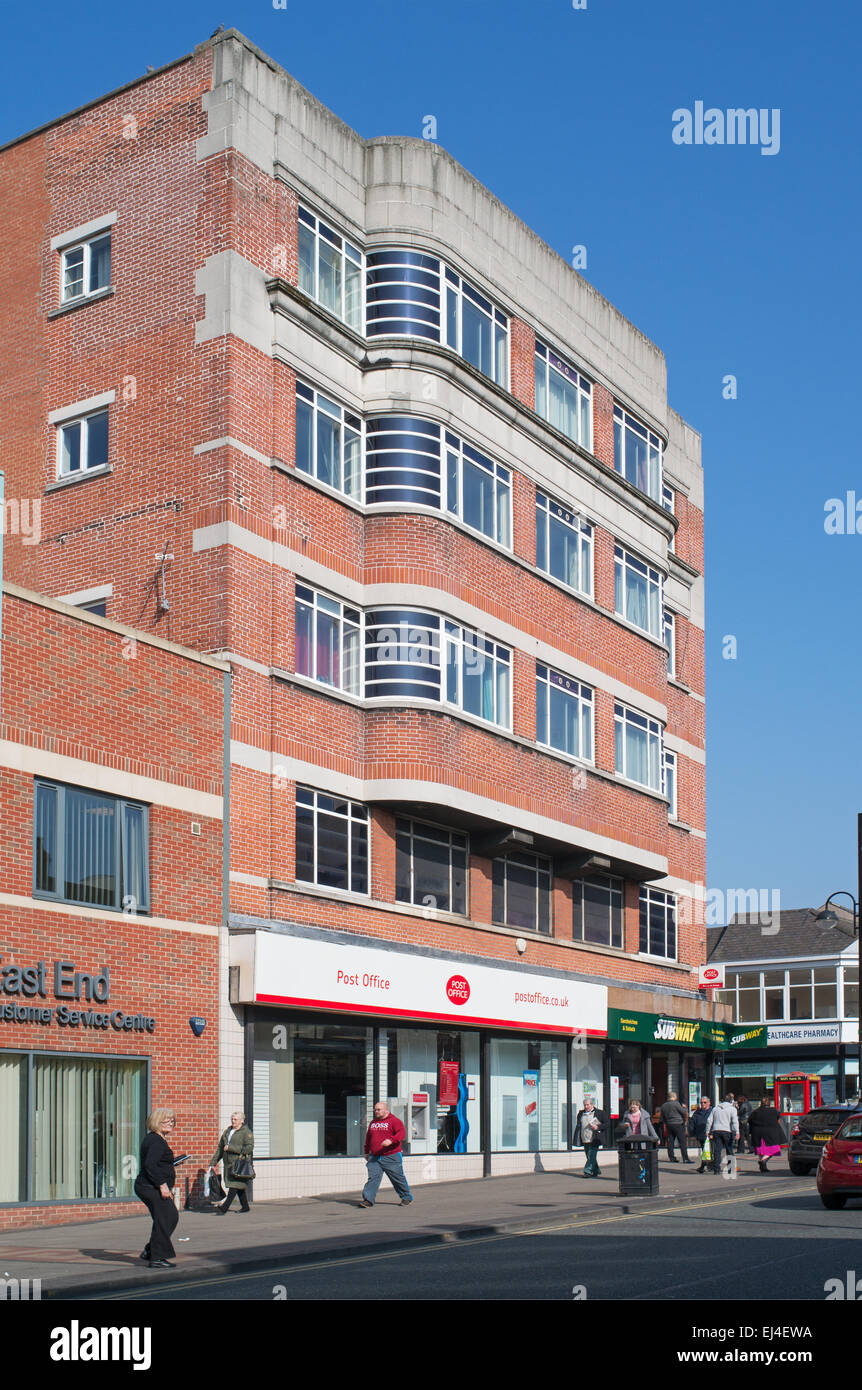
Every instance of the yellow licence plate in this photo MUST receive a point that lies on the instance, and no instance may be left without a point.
(821, 1138)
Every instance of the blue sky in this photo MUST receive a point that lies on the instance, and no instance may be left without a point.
(730, 260)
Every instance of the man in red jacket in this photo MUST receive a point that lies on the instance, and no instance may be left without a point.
(383, 1155)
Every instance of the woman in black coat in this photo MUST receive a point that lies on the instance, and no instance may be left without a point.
(767, 1136)
(153, 1185)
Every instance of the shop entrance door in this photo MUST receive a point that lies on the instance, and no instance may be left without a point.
(660, 1081)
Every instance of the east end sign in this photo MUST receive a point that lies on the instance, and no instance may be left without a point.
(71, 987)
(664, 1029)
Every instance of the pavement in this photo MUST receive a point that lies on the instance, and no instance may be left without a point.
(101, 1257)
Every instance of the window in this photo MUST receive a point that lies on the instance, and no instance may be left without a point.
(90, 848)
(478, 490)
(312, 1088)
(328, 640)
(328, 442)
(402, 461)
(637, 453)
(564, 545)
(825, 992)
(670, 782)
(478, 675)
(801, 1004)
(658, 923)
(476, 329)
(430, 866)
(402, 291)
(851, 991)
(331, 841)
(638, 747)
(564, 713)
(773, 995)
(330, 270)
(82, 444)
(670, 640)
(86, 268)
(749, 1007)
(402, 654)
(597, 911)
(637, 592)
(563, 396)
(99, 607)
(521, 894)
(668, 501)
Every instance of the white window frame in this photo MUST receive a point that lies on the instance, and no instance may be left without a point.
(670, 640)
(466, 455)
(83, 422)
(624, 421)
(86, 249)
(582, 531)
(470, 648)
(582, 696)
(350, 424)
(453, 284)
(547, 361)
(670, 767)
(650, 896)
(624, 564)
(348, 622)
(668, 502)
(623, 716)
(319, 230)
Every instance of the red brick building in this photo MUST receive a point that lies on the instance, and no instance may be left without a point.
(111, 766)
(322, 407)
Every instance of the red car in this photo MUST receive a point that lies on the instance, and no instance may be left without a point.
(839, 1172)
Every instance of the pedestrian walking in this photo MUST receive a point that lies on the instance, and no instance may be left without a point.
(590, 1127)
(675, 1115)
(767, 1136)
(236, 1147)
(638, 1121)
(722, 1128)
(743, 1114)
(697, 1128)
(383, 1143)
(154, 1185)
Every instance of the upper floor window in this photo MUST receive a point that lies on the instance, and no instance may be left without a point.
(658, 923)
(331, 841)
(670, 640)
(637, 592)
(521, 892)
(638, 747)
(330, 270)
(637, 453)
(430, 866)
(86, 268)
(668, 501)
(787, 995)
(476, 329)
(90, 848)
(402, 294)
(564, 545)
(328, 640)
(564, 713)
(478, 490)
(328, 441)
(478, 675)
(82, 443)
(670, 782)
(563, 396)
(402, 654)
(597, 908)
(402, 460)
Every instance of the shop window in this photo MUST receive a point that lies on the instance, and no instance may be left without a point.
(13, 1107)
(90, 848)
(312, 1089)
(430, 866)
(587, 1077)
(528, 1096)
(331, 841)
(432, 1084)
(522, 892)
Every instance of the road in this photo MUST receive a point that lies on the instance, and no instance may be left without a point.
(753, 1248)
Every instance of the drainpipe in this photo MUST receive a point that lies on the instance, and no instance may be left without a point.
(2, 532)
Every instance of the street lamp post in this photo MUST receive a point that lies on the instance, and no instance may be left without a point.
(824, 915)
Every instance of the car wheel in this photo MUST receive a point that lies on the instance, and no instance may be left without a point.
(800, 1170)
(831, 1202)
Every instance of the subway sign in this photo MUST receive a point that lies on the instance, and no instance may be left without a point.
(77, 992)
(681, 1032)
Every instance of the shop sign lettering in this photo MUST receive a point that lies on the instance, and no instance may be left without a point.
(69, 984)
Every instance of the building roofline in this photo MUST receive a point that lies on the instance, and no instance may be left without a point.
(68, 610)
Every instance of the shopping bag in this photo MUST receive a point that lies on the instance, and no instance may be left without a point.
(213, 1190)
(706, 1152)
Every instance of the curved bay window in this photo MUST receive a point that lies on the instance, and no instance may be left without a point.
(402, 654)
(402, 294)
(402, 461)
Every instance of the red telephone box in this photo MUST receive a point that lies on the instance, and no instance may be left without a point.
(797, 1093)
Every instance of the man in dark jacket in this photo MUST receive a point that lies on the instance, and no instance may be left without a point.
(697, 1127)
(674, 1116)
(590, 1127)
(383, 1143)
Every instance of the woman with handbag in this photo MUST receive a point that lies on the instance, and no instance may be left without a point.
(767, 1136)
(236, 1146)
(154, 1185)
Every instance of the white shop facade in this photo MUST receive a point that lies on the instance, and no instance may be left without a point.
(486, 1063)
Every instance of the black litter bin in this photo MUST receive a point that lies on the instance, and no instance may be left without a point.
(638, 1160)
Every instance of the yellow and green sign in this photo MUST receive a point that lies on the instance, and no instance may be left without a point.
(664, 1029)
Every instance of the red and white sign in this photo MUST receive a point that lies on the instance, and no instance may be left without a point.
(420, 1098)
(710, 977)
(289, 970)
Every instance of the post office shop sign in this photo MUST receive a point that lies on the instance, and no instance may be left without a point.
(23, 988)
(313, 974)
